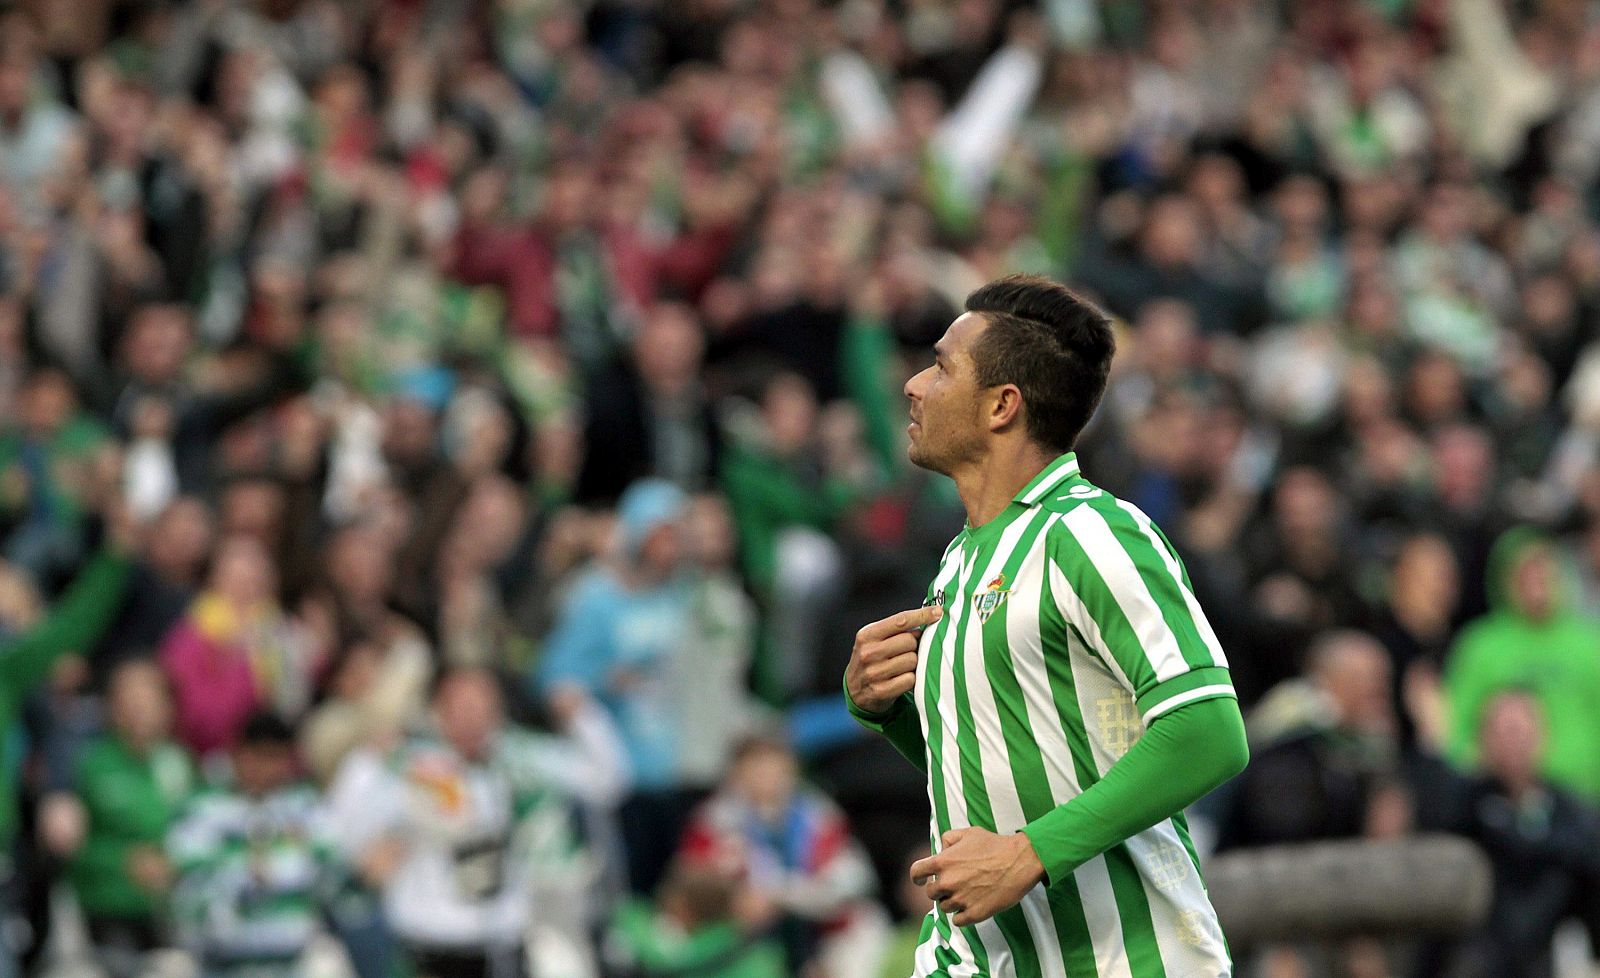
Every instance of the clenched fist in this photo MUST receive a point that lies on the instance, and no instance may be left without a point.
(883, 663)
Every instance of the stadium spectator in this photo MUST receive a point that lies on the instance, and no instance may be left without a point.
(370, 698)
(74, 624)
(1533, 640)
(164, 581)
(252, 861)
(408, 295)
(47, 453)
(1325, 751)
(618, 639)
(651, 410)
(711, 676)
(803, 876)
(788, 485)
(1415, 624)
(233, 652)
(1541, 839)
(476, 568)
(468, 833)
(690, 930)
(130, 787)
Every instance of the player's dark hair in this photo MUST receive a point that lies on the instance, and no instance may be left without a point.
(1053, 344)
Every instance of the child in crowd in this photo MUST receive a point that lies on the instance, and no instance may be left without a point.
(254, 863)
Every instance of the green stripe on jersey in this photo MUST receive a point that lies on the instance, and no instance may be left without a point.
(1068, 624)
(1068, 930)
(933, 735)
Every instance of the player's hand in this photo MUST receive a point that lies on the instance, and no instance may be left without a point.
(977, 874)
(883, 662)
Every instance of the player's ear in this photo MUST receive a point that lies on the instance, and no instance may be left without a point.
(1006, 407)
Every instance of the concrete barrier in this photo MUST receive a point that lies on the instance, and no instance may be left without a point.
(1430, 884)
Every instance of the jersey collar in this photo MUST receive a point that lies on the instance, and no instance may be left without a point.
(1063, 468)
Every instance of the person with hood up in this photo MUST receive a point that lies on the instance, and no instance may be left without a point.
(1533, 639)
(618, 638)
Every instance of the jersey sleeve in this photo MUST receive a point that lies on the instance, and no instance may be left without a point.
(1178, 761)
(1119, 585)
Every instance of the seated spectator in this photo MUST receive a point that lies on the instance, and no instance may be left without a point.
(234, 652)
(689, 931)
(254, 861)
(1324, 751)
(1532, 639)
(789, 846)
(130, 787)
(467, 832)
(1542, 840)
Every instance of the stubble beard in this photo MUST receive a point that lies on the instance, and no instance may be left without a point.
(943, 460)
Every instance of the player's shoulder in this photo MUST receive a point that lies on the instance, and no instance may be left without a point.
(1080, 493)
(1083, 509)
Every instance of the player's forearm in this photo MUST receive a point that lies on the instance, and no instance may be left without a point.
(1181, 757)
(900, 724)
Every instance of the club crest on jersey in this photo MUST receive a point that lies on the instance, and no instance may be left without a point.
(985, 602)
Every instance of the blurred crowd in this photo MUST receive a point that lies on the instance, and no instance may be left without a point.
(447, 445)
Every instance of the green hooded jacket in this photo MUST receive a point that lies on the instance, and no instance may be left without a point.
(1556, 658)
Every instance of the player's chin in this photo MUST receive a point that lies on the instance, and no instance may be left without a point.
(927, 460)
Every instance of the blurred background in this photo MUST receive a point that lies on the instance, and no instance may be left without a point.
(447, 447)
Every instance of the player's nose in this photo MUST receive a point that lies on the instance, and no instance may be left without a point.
(913, 388)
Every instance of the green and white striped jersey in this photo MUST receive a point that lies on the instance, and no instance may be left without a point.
(1069, 624)
(254, 876)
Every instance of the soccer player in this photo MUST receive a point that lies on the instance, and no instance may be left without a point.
(1060, 684)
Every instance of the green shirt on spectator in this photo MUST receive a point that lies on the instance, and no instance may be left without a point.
(1555, 656)
(132, 800)
(74, 625)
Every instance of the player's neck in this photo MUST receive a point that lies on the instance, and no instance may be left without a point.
(988, 485)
